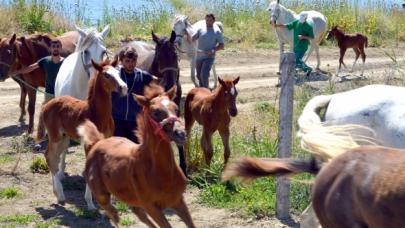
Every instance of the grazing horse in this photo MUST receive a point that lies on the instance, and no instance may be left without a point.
(161, 61)
(181, 24)
(75, 71)
(144, 176)
(354, 186)
(62, 115)
(213, 110)
(281, 15)
(356, 41)
(16, 53)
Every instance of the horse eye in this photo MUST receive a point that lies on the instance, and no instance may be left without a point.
(107, 75)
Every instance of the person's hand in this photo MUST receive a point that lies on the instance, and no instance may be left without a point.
(211, 52)
(301, 37)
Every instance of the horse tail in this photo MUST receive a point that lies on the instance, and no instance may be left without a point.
(220, 26)
(188, 116)
(251, 168)
(366, 41)
(41, 127)
(327, 142)
(89, 134)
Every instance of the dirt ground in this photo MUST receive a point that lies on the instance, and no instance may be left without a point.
(257, 69)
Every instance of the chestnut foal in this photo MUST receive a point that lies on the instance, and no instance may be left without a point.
(144, 176)
(356, 41)
(213, 110)
(62, 115)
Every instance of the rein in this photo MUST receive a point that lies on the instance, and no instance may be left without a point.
(175, 69)
(158, 126)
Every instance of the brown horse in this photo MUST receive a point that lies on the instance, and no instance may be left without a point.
(213, 110)
(161, 61)
(16, 53)
(144, 176)
(62, 115)
(359, 187)
(356, 41)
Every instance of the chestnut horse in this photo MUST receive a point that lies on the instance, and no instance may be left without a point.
(16, 53)
(357, 187)
(161, 61)
(213, 110)
(62, 115)
(144, 176)
(356, 41)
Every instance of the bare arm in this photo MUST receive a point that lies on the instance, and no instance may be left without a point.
(25, 70)
(279, 25)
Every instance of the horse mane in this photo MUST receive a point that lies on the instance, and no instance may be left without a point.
(150, 91)
(85, 43)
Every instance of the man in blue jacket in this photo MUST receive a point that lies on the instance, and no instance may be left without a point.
(125, 108)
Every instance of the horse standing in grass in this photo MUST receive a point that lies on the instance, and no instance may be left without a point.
(281, 15)
(16, 53)
(354, 187)
(213, 110)
(356, 41)
(162, 62)
(144, 176)
(62, 115)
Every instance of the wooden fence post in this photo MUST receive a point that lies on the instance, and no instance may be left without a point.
(285, 130)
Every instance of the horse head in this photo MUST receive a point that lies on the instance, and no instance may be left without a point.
(91, 46)
(332, 32)
(8, 55)
(165, 62)
(274, 10)
(110, 76)
(229, 92)
(160, 111)
(181, 24)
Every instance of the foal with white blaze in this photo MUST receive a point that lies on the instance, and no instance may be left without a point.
(75, 72)
(281, 15)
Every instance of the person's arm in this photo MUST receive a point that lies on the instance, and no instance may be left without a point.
(310, 35)
(279, 25)
(25, 70)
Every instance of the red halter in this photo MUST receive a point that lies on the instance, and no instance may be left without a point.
(158, 126)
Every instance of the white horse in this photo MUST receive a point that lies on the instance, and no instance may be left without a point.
(189, 49)
(281, 15)
(74, 74)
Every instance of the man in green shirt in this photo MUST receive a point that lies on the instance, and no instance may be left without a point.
(51, 65)
(303, 33)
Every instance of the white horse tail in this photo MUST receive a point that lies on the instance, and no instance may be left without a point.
(89, 134)
(327, 142)
(220, 25)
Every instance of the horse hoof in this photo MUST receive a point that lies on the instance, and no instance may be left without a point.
(37, 147)
(278, 73)
(91, 207)
(61, 202)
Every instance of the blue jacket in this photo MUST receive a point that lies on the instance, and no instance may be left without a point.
(125, 107)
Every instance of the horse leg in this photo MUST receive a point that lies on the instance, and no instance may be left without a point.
(62, 161)
(342, 54)
(363, 57)
(311, 49)
(224, 133)
(206, 143)
(157, 216)
(104, 200)
(193, 69)
(318, 58)
(32, 97)
(214, 72)
(141, 214)
(23, 96)
(357, 52)
(89, 198)
(182, 211)
(281, 47)
(52, 156)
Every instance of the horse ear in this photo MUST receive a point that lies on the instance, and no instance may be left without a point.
(172, 37)
(96, 66)
(236, 80)
(13, 38)
(172, 92)
(141, 100)
(221, 81)
(105, 31)
(155, 38)
(80, 31)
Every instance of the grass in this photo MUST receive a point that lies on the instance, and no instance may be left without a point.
(86, 214)
(10, 192)
(39, 165)
(121, 207)
(126, 221)
(17, 219)
(52, 223)
(6, 158)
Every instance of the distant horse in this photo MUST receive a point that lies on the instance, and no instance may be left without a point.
(213, 110)
(16, 53)
(62, 115)
(75, 71)
(354, 186)
(356, 41)
(144, 176)
(161, 61)
(281, 15)
(189, 50)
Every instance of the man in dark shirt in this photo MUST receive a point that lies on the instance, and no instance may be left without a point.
(125, 108)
